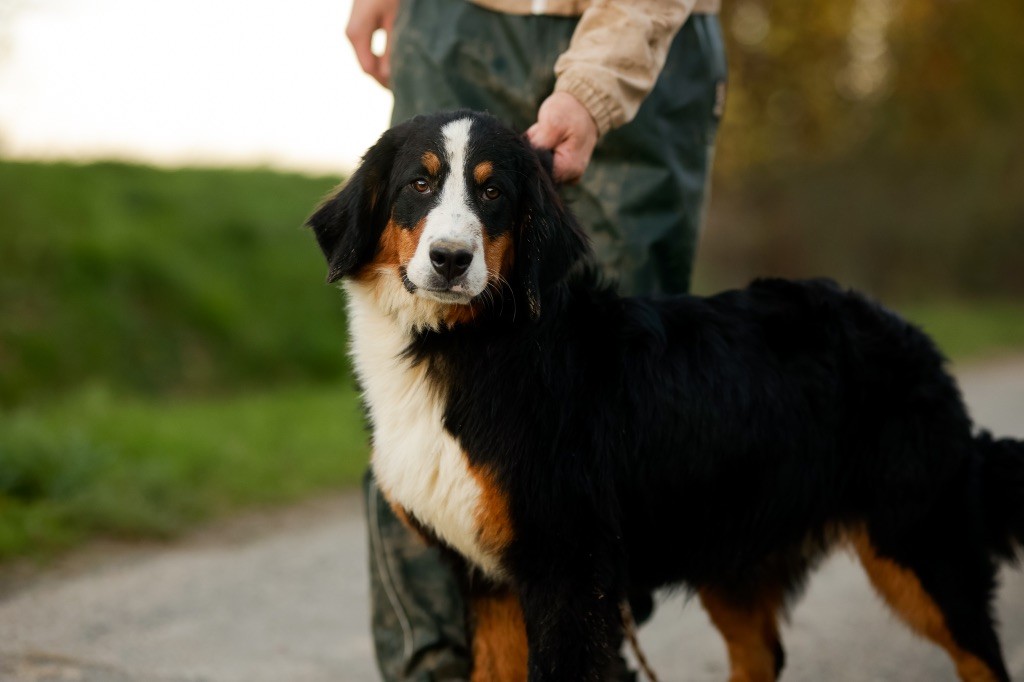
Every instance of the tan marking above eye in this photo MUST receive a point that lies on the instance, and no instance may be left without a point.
(431, 162)
(483, 171)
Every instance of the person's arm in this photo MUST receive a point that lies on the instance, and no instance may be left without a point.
(613, 61)
(367, 16)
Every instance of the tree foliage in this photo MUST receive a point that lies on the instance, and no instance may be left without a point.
(879, 141)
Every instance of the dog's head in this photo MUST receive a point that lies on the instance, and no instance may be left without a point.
(456, 210)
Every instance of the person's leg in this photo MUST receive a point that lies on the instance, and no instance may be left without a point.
(642, 199)
(418, 615)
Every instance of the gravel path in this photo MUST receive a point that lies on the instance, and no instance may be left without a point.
(282, 597)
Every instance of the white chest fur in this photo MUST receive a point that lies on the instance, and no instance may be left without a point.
(415, 460)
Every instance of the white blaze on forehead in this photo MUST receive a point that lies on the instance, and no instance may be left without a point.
(453, 219)
(456, 148)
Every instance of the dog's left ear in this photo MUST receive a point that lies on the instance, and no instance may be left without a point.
(550, 240)
(348, 224)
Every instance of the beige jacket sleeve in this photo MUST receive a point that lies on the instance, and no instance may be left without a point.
(616, 53)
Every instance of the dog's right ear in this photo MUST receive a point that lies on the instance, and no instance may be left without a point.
(349, 223)
(550, 241)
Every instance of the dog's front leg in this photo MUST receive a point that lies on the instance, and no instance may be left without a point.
(572, 620)
(498, 635)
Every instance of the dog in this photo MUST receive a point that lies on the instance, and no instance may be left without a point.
(574, 446)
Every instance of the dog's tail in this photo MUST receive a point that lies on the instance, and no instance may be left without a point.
(1002, 464)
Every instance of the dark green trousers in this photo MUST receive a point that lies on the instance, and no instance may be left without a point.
(641, 201)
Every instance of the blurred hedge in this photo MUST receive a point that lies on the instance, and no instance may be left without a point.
(159, 281)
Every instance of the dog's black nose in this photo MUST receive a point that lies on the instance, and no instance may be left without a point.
(450, 260)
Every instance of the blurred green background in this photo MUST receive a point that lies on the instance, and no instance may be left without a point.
(169, 352)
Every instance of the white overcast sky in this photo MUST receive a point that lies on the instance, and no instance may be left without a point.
(221, 82)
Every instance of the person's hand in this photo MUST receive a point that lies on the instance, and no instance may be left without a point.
(368, 16)
(566, 127)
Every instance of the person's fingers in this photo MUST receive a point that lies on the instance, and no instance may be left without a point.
(385, 59)
(373, 65)
(568, 164)
(543, 136)
(359, 35)
(565, 126)
(569, 158)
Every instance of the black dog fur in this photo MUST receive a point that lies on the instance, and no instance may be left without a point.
(721, 443)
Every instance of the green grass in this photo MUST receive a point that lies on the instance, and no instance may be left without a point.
(158, 281)
(97, 464)
(168, 351)
(971, 330)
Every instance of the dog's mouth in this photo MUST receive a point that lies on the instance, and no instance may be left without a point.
(454, 293)
(451, 295)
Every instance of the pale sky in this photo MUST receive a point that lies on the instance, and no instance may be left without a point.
(210, 82)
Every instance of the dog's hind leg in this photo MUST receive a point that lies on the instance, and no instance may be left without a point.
(751, 632)
(943, 595)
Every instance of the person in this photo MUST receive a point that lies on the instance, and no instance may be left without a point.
(627, 94)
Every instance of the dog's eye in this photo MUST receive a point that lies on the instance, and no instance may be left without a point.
(420, 185)
(491, 193)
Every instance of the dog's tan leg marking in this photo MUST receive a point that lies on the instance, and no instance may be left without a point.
(499, 638)
(903, 592)
(751, 633)
(492, 516)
